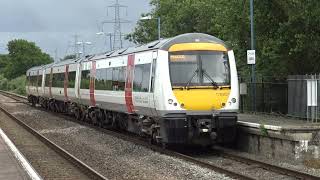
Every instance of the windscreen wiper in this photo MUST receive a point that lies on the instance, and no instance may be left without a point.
(194, 74)
(208, 77)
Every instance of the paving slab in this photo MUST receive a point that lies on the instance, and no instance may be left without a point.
(10, 167)
(277, 123)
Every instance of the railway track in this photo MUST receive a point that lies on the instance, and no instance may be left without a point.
(282, 172)
(81, 166)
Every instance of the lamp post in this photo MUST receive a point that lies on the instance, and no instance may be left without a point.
(83, 47)
(110, 38)
(159, 23)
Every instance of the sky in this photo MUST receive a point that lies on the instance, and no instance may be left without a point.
(52, 24)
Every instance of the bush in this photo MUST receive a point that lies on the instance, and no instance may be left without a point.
(17, 85)
(3, 83)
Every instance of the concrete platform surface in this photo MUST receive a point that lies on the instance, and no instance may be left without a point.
(12, 163)
(277, 123)
(283, 138)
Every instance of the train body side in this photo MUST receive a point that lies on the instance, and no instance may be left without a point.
(140, 87)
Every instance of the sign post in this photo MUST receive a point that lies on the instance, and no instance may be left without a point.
(252, 54)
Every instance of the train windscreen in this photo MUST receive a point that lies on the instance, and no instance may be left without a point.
(199, 68)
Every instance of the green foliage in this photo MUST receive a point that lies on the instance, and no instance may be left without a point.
(263, 130)
(22, 56)
(17, 85)
(70, 56)
(287, 32)
(3, 82)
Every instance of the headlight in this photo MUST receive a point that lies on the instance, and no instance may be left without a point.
(233, 100)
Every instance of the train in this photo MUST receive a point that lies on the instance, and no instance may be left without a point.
(181, 90)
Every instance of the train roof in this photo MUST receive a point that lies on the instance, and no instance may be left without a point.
(163, 44)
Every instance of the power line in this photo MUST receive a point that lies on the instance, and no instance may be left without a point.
(117, 21)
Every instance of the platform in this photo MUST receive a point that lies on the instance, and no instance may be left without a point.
(13, 165)
(278, 136)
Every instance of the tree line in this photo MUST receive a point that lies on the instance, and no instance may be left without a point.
(287, 32)
(22, 56)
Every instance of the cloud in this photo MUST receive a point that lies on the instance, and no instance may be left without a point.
(52, 23)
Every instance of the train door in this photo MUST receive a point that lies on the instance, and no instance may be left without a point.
(153, 98)
(142, 94)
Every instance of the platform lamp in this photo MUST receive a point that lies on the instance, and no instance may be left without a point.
(159, 23)
(83, 47)
(110, 37)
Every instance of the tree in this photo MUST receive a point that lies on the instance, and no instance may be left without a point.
(22, 56)
(287, 32)
(70, 56)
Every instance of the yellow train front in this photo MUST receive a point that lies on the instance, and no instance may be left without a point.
(196, 91)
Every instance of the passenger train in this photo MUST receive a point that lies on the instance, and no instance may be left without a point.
(180, 90)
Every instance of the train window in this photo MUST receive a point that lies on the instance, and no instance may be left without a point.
(122, 77)
(71, 79)
(58, 80)
(101, 79)
(141, 78)
(109, 79)
(115, 79)
(85, 79)
(39, 82)
(153, 75)
(47, 80)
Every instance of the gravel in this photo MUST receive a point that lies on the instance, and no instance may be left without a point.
(111, 156)
(294, 165)
(45, 161)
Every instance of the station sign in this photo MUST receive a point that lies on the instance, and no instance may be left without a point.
(251, 56)
(312, 92)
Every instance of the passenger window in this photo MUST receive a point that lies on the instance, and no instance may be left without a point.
(71, 79)
(101, 79)
(141, 78)
(115, 79)
(85, 79)
(122, 77)
(58, 80)
(39, 81)
(109, 79)
(47, 80)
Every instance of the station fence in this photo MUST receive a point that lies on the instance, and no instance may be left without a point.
(297, 96)
(270, 94)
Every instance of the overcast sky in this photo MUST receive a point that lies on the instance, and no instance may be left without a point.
(51, 24)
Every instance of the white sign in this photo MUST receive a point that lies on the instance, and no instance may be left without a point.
(251, 56)
(312, 92)
(243, 89)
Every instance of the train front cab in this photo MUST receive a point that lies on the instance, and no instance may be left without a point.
(204, 87)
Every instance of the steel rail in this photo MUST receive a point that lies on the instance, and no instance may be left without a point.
(77, 162)
(138, 140)
(265, 165)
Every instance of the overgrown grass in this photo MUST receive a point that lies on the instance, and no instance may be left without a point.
(17, 85)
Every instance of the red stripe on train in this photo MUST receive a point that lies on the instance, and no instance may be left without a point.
(92, 83)
(128, 86)
(66, 83)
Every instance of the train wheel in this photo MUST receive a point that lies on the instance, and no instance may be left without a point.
(77, 114)
(33, 102)
(94, 118)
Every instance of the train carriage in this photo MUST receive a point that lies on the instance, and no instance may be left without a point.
(181, 90)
